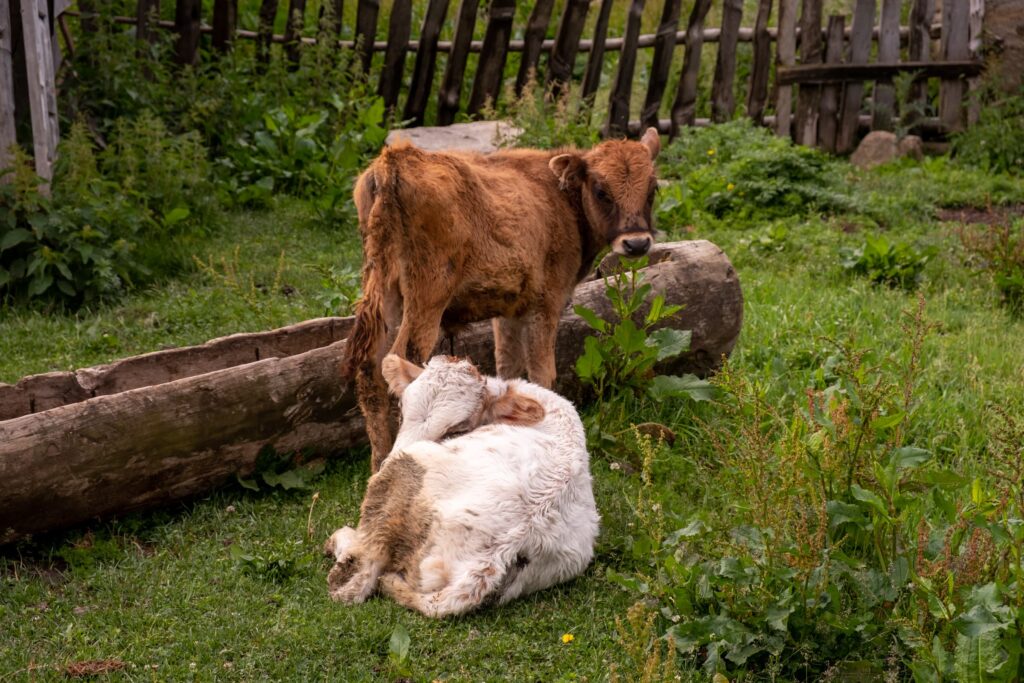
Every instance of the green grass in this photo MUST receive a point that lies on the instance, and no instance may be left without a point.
(163, 589)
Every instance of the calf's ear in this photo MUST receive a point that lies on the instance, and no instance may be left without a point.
(570, 169)
(398, 373)
(652, 141)
(516, 409)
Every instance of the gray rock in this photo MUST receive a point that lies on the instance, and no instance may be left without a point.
(911, 146)
(877, 147)
(479, 136)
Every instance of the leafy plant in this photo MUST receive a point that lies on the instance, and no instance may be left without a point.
(893, 263)
(996, 141)
(999, 251)
(545, 122)
(282, 471)
(274, 562)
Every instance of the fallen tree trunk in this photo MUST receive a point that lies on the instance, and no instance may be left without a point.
(167, 426)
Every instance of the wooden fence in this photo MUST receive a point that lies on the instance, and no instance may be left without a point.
(820, 69)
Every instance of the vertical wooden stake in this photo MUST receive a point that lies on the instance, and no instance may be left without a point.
(145, 12)
(785, 55)
(366, 31)
(536, 29)
(829, 105)
(42, 93)
(491, 67)
(592, 77)
(759, 71)
(810, 93)
(884, 113)
(618, 101)
(265, 34)
(187, 15)
(293, 31)
(567, 44)
(723, 99)
(225, 18)
(8, 137)
(955, 33)
(860, 48)
(393, 71)
(664, 46)
(974, 49)
(919, 50)
(450, 94)
(426, 61)
(684, 108)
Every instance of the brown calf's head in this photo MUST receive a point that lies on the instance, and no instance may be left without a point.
(617, 182)
(449, 397)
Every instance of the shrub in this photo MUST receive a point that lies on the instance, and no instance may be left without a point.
(996, 142)
(999, 250)
(893, 263)
(545, 123)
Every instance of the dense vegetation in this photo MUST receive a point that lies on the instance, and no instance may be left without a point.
(843, 500)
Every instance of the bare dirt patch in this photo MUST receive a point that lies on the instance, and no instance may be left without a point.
(992, 215)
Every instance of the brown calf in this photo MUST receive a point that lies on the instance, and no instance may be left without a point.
(451, 238)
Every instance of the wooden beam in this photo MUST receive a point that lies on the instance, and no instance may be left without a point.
(491, 67)
(592, 77)
(533, 40)
(829, 104)
(225, 21)
(566, 45)
(8, 129)
(293, 31)
(884, 98)
(265, 33)
(42, 90)
(684, 108)
(393, 71)
(662, 61)
(785, 57)
(422, 84)
(811, 53)
(860, 47)
(757, 93)
(366, 31)
(450, 93)
(619, 99)
(723, 99)
(832, 73)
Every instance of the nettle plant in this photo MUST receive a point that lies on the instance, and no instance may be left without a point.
(884, 261)
(618, 362)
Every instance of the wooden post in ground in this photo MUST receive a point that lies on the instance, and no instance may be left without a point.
(829, 104)
(567, 43)
(366, 31)
(955, 39)
(330, 27)
(42, 90)
(919, 50)
(8, 131)
(618, 109)
(977, 18)
(884, 115)
(785, 55)
(684, 108)
(265, 32)
(533, 38)
(225, 19)
(759, 70)
(592, 77)
(810, 53)
(664, 46)
(491, 67)
(426, 61)
(723, 100)
(293, 31)
(148, 11)
(187, 16)
(393, 71)
(860, 47)
(450, 94)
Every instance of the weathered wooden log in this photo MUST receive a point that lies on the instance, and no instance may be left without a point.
(153, 444)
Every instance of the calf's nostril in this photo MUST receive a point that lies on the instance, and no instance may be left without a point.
(637, 245)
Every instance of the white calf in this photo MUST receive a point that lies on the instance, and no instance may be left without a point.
(503, 510)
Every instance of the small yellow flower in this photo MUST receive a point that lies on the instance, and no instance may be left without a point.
(568, 637)
(711, 152)
(730, 187)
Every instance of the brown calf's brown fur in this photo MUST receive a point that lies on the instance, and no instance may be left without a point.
(451, 238)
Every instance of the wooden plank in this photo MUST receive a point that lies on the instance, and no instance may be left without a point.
(422, 84)
(225, 19)
(293, 30)
(592, 77)
(684, 108)
(919, 50)
(42, 91)
(393, 72)
(567, 44)
(366, 31)
(860, 47)
(265, 34)
(884, 99)
(330, 25)
(662, 61)
(829, 105)
(8, 131)
(723, 99)
(811, 52)
(450, 93)
(832, 73)
(785, 56)
(148, 11)
(187, 17)
(491, 68)
(618, 104)
(976, 21)
(956, 33)
(533, 39)
(760, 69)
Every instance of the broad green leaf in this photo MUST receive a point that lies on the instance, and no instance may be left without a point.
(694, 528)
(869, 497)
(976, 659)
(840, 512)
(885, 422)
(628, 582)
(590, 365)
(977, 621)
(399, 645)
(670, 343)
(14, 237)
(292, 479)
(671, 386)
(176, 215)
(40, 283)
(591, 318)
(909, 457)
(248, 483)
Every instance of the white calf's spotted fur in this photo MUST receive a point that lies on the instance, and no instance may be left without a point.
(449, 524)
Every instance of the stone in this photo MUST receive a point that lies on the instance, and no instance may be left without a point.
(478, 136)
(878, 147)
(911, 146)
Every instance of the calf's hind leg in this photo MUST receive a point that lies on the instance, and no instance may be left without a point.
(510, 347)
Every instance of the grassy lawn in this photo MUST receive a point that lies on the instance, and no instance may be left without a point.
(231, 587)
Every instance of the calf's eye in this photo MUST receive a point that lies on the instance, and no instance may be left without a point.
(601, 195)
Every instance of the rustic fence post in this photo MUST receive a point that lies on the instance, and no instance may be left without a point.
(293, 30)
(330, 26)
(533, 38)
(759, 70)
(976, 22)
(265, 32)
(618, 109)
(8, 131)
(785, 55)
(664, 46)
(684, 108)
(888, 53)
(860, 47)
(393, 71)
(149, 10)
(567, 44)
(810, 53)
(225, 17)
(919, 51)
(42, 92)
(955, 32)
(592, 78)
(366, 31)
(455, 69)
(487, 84)
(829, 104)
(723, 99)
(426, 61)
(187, 15)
